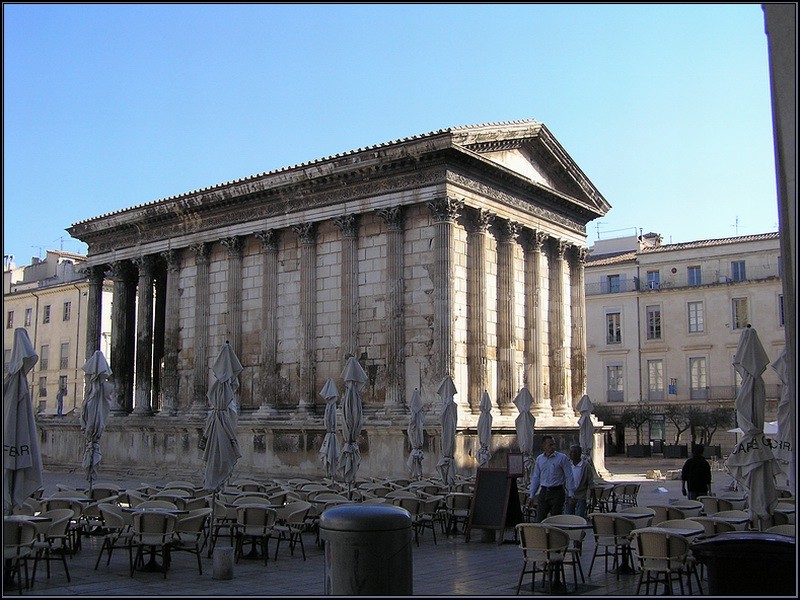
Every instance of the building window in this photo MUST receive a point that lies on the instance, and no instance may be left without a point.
(42, 387)
(653, 280)
(698, 382)
(657, 427)
(46, 314)
(653, 322)
(44, 353)
(613, 328)
(655, 379)
(62, 384)
(693, 276)
(67, 310)
(10, 320)
(64, 363)
(696, 317)
(28, 316)
(780, 310)
(737, 270)
(6, 360)
(739, 313)
(615, 387)
(613, 284)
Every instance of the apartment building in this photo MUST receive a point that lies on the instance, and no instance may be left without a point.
(49, 298)
(664, 321)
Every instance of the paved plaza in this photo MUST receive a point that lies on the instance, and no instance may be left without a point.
(451, 567)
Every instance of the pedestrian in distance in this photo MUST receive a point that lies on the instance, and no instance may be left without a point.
(696, 474)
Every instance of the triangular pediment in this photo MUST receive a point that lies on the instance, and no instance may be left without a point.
(529, 149)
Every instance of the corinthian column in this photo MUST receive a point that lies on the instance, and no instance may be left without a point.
(578, 295)
(200, 374)
(349, 278)
(533, 325)
(477, 223)
(144, 337)
(395, 351)
(308, 313)
(171, 380)
(269, 323)
(94, 309)
(123, 319)
(234, 246)
(557, 363)
(506, 345)
(445, 211)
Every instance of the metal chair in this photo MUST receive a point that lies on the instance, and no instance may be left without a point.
(457, 507)
(712, 525)
(611, 533)
(152, 530)
(544, 545)
(52, 541)
(290, 525)
(575, 526)
(787, 529)
(189, 530)
(254, 523)
(18, 539)
(661, 553)
(118, 528)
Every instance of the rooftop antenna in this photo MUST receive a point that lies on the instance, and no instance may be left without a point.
(597, 224)
(736, 225)
(40, 251)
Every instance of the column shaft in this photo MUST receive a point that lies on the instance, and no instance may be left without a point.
(144, 336)
(395, 351)
(506, 344)
(122, 324)
(269, 323)
(170, 380)
(200, 374)
(477, 223)
(308, 314)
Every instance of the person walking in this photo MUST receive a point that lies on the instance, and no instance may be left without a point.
(583, 476)
(696, 474)
(551, 473)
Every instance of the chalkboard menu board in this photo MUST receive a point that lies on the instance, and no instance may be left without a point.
(495, 502)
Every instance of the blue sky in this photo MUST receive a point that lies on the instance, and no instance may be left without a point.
(666, 108)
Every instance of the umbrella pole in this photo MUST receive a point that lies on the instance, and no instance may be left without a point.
(91, 472)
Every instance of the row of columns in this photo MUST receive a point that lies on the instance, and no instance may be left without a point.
(156, 279)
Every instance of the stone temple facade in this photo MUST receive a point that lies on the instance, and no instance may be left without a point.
(458, 252)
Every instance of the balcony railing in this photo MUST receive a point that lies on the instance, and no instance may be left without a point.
(667, 283)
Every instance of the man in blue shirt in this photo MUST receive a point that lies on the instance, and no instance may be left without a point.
(553, 472)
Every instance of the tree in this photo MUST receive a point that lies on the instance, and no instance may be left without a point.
(678, 415)
(605, 414)
(714, 419)
(636, 418)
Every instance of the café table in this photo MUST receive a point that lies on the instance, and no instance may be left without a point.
(640, 516)
(688, 532)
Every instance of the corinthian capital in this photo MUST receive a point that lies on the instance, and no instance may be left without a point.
(445, 209)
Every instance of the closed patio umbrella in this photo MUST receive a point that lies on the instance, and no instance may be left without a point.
(786, 451)
(416, 435)
(752, 462)
(22, 460)
(449, 416)
(484, 430)
(330, 445)
(221, 450)
(94, 412)
(585, 426)
(350, 458)
(525, 424)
